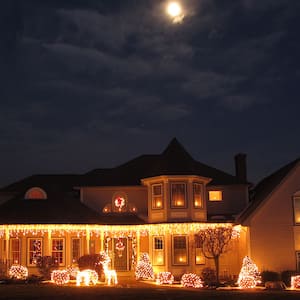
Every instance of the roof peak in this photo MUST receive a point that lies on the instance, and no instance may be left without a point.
(174, 147)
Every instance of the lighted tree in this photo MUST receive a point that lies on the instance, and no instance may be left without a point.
(144, 269)
(214, 242)
(249, 275)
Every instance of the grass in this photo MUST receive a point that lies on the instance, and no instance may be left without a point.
(135, 291)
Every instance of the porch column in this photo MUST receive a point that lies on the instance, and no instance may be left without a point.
(101, 240)
(47, 250)
(87, 238)
(138, 240)
(7, 244)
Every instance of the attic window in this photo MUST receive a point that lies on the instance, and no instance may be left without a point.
(36, 193)
(215, 195)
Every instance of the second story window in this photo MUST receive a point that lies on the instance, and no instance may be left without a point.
(197, 194)
(297, 208)
(178, 195)
(215, 196)
(157, 196)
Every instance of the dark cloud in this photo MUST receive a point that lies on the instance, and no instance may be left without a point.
(87, 84)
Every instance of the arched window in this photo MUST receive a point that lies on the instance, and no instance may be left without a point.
(35, 193)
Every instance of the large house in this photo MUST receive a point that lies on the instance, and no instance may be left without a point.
(154, 204)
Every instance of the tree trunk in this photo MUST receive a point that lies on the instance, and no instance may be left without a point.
(217, 266)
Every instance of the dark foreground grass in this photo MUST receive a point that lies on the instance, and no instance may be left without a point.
(137, 292)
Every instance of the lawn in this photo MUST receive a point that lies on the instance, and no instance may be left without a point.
(137, 291)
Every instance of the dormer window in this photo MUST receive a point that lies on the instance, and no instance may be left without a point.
(36, 193)
(178, 195)
(215, 196)
(157, 196)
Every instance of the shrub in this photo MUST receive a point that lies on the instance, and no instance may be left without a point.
(46, 264)
(269, 276)
(209, 276)
(286, 276)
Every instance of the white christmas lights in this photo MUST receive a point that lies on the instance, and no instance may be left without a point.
(191, 280)
(295, 282)
(249, 275)
(165, 278)
(18, 272)
(144, 269)
(60, 277)
(87, 277)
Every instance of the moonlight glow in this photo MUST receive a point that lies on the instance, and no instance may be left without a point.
(174, 10)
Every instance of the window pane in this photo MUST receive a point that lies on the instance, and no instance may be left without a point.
(178, 195)
(35, 250)
(157, 196)
(297, 209)
(15, 251)
(180, 250)
(75, 250)
(198, 195)
(58, 250)
(158, 251)
(215, 195)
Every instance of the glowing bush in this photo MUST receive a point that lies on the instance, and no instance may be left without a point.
(191, 280)
(165, 278)
(18, 272)
(295, 282)
(144, 269)
(60, 277)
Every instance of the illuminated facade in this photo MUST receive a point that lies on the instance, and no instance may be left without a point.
(152, 204)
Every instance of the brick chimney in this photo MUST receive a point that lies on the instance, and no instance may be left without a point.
(241, 167)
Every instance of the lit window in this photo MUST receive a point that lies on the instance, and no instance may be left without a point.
(178, 195)
(199, 256)
(180, 250)
(58, 250)
(75, 249)
(197, 193)
(297, 209)
(158, 251)
(157, 196)
(34, 250)
(15, 251)
(36, 193)
(215, 195)
(92, 246)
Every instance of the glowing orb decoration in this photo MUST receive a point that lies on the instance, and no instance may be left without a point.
(191, 280)
(18, 272)
(165, 278)
(174, 10)
(60, 277)
(295, 282)
(87, 277)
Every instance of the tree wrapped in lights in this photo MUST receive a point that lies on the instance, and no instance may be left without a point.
(144, 269)
(191, 280)
(249, 275)
(18, 272)
(214, 241)
(165, 278)
(60, 277)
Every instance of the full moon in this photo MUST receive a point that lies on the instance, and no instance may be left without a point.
(174, 9)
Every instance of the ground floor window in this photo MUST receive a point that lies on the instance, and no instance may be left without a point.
(199, 256)
(58, 250)
(35, 247)
(15, 253)
(298, 260)
(158, 252)
(180, 249)
(75, 249)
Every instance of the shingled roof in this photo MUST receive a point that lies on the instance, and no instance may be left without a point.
(265, 187)
(174, 160)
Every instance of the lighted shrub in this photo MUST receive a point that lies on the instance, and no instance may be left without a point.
(60, 277)
(164, 278)
(18, 272)
(191, 280)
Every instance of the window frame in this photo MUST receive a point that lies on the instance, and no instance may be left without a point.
(13, 252)
(36, 189)
(153, 200)
(185, 204)
(220, 192)
(158, 251)
(175, 262)
(72, 249)
(29, 251)
(201, 195)
(296, 208)
(60, 251)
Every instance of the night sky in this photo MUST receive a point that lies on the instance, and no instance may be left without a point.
(87, 84)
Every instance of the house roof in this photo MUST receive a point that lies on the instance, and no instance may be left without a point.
(265, 187)
(174, 160)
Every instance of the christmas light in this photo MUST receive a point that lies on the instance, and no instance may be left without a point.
(165, 278)
(18, 272)
(110, 275)
(87, 277)
(191, 280)
(144, 269)
(60, 277)
(72, 270)
(295, 282)
(249, 275)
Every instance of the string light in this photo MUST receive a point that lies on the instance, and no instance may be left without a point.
(87, 277)
(18, 272)
(60, 277)
(191, 280)
(144, 269)
(249, 275)
(295, 282)
(165, 278)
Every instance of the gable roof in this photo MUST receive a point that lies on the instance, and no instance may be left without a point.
(174, 160)
(265, 187)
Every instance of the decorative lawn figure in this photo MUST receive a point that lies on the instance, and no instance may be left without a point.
(110, 275)
(191, 280)
(144, 269)
(165, 278)
(60, 277)
(18, 272)
(87, 277)
(249, 275)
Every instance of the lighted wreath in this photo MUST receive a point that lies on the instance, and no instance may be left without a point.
(119, 202)
(120, 247)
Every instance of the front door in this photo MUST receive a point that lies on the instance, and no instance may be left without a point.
(121, 256)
